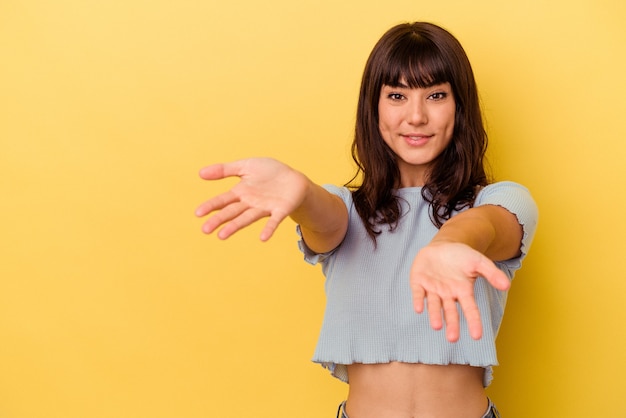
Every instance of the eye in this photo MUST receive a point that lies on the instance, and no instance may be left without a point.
(395, 96)
(440, 95)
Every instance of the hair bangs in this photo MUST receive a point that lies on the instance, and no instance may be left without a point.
(416, 63)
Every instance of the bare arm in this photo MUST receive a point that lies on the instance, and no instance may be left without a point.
(323, 219)
(269, 188)
(443, 273)
(492, 230)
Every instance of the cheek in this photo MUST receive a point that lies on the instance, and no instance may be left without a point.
(387, 118)
(383, 121)
(451, 122)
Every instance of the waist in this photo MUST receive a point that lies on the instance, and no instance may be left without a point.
(406, 390)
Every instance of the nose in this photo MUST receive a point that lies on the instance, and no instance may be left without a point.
(416, 113)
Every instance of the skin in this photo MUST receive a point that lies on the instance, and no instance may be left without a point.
(417, 124)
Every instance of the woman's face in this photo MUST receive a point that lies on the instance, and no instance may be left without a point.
(417, 124)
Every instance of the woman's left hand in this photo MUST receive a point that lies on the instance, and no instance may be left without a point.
(443, 273)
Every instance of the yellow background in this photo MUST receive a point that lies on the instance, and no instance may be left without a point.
(113, 304)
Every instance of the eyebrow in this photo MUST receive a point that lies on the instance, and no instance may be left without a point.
(398, 85)
(401, 85)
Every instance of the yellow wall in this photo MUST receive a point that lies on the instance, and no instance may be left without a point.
(113, 304)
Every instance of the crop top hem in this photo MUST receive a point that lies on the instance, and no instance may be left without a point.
(340, 370)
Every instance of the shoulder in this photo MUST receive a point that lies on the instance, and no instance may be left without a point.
(343, 192)
(505, 193)
(518, 200)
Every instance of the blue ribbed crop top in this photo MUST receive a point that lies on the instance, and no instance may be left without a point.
(369, 316)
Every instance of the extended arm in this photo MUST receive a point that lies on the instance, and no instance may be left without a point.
(444, 271)
(269, 188)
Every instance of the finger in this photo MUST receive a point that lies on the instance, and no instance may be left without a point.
(495, 276)
(225, 215)
(216, 203)
(434, 311)
(472, 316)
(246, 218)
(418, 298)
(271, 226)
(451, 317)
(222, 170)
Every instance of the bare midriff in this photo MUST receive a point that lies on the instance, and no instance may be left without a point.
(403, 390)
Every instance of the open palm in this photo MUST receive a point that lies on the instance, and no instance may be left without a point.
(443, 274)
(267, 188)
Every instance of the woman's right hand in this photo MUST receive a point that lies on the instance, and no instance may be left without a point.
(267, 188)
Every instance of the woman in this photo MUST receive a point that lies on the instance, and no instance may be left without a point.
(418, 251)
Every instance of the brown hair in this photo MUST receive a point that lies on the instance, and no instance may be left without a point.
(421, 55)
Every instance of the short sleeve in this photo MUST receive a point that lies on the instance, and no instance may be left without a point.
(516, 199)
(310, 256)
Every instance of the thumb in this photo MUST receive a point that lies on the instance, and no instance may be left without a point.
(491, 273)
(222, 170)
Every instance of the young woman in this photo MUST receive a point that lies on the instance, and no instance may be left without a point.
(418, 250)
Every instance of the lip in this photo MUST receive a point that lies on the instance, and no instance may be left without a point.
(416, 138)
(416, 135)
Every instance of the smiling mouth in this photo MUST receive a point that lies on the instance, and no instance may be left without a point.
(417, 139)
